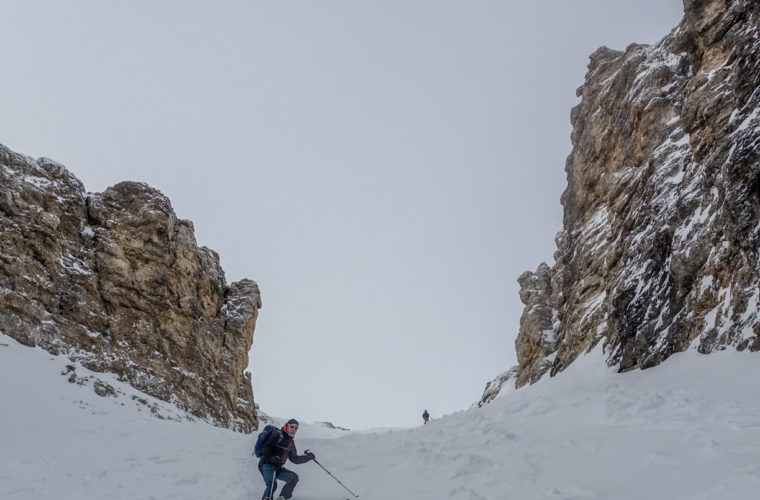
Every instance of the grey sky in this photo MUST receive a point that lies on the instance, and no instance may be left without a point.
(384, 170)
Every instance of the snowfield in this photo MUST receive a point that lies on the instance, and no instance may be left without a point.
(688, 429)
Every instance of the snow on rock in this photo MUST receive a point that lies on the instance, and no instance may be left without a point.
(117, 282)
(659, 250)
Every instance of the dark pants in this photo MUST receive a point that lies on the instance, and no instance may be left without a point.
(290, 478)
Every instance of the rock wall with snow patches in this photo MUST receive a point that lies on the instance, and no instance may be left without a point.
(116, 281)
(661, 233)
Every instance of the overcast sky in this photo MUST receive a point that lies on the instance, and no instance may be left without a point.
(384, 170)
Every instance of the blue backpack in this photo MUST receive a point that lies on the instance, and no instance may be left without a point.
(258, 448)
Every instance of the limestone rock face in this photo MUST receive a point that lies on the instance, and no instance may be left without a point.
(660, 245)
(114, 280)
(536, 339)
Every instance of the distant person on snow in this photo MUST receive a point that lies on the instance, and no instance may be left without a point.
(278, 448)
(426, 416)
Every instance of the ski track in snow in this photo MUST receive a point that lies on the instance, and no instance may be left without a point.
(687, 429)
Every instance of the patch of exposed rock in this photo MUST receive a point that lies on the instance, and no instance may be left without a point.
(495, 387)
(660, 246)
(116, 281)
(330, 425)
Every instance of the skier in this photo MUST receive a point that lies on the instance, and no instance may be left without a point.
(278, 448)
(426, 416)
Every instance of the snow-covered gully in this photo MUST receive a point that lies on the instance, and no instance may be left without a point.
(687, 429)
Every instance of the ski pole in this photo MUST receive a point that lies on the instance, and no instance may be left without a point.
(354, 494)
(273, 486)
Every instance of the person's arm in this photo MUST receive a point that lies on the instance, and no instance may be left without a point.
(299, 459)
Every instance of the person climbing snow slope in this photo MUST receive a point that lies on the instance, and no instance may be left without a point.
(277, 449)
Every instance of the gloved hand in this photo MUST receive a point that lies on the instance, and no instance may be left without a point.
(309, 455)
(274, 460)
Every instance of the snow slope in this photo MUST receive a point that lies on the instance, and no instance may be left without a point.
(687, 429)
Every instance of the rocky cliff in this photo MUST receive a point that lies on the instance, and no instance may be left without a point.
(116, 281)
(660, 245)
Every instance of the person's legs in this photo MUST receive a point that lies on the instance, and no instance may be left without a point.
(291, 479)
(267, 472)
